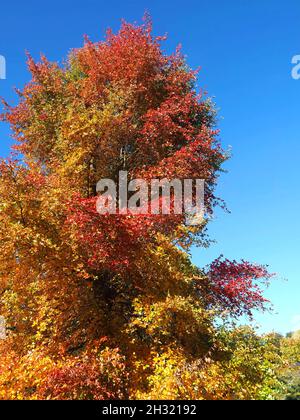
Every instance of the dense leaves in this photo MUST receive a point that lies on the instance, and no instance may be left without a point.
(110, 306)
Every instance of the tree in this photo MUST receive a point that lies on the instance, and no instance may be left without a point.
(110, 306)
(290, 347)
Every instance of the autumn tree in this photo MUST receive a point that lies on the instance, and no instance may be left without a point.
(110, 306)
(290, 373)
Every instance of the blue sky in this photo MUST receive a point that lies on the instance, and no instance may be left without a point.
(245, 50)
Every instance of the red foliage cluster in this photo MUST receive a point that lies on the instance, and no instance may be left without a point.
(235, 286)
(86, 379)
(111, 241)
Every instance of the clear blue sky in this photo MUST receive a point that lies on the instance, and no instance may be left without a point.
(245, 49)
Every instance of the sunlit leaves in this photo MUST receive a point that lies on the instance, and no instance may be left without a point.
(110, 306)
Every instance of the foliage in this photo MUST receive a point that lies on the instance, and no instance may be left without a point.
(291, 374)
(110, 306)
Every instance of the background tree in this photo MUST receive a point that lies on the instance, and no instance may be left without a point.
(290, 346)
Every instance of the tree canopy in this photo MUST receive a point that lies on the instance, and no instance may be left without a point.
(111, 306)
